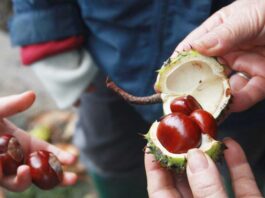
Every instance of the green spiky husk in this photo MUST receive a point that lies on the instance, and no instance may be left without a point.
(178, 165)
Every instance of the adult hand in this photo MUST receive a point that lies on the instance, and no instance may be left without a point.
(236, 34)
(12, 105)
(203, 179)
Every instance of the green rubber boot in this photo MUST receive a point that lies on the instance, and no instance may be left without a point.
(133, 186)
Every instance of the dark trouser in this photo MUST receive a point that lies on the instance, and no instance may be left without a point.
(108, 134)
(248, 129)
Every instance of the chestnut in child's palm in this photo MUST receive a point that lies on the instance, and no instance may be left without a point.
(45, 169)
(11, 154)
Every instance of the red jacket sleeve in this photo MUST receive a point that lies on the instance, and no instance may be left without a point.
(32, 53)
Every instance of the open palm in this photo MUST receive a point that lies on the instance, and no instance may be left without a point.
(12, 105)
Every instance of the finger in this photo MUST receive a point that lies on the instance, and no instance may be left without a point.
(69, 179)
(227, 70)
(11, 105)
(64, 157)
(214, 21)
(237, 82)
(160, 182)
(243, 181)
(212, 45)
(31, 144)
(20, 182)
(183, 186)
(249, 62)
(235, 30)
(203, 176)
(252, 93)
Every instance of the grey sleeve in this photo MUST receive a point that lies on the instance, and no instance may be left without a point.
(66, 76)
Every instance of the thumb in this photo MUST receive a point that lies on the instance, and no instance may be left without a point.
(203, 176)
(240, 23)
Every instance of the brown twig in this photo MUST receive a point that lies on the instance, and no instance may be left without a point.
(153, 99)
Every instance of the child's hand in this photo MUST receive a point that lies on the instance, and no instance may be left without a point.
(10, 106)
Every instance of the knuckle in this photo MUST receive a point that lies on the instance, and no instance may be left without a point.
(245, 180)
(258, 88)
(220, 16)
(209, 190)
(229, 30)
(224, 13)
(161, 192)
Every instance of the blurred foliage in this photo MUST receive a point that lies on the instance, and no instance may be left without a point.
(41, 132)
(5, 13)
(81, 189)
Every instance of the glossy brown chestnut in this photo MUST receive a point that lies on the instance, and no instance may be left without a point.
(178, 133)
(186, 104)
(205, 121)
(11, 154)
(45, 168)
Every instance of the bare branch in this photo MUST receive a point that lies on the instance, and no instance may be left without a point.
(153, 99)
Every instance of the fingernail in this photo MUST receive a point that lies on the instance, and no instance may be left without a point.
(197, 161)
(207, 41)
(186, 47)
(221, 61)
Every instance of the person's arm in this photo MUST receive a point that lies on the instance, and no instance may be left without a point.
(10, 106)
(236, 34)
(50, 34)
(203, 178)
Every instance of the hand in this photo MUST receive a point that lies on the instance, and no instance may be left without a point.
(10, 106)
(203, 179)
(236, 34)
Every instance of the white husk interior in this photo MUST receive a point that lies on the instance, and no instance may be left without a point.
(206, 142)
(201, 77)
